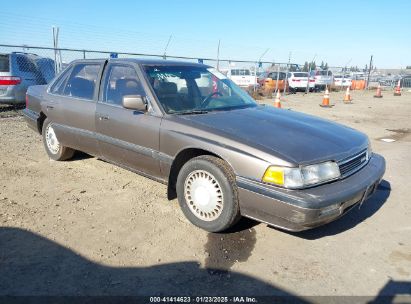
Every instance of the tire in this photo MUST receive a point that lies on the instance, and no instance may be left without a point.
(208, 194)
(54, 149)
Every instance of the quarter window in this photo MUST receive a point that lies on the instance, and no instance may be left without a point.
(58, 86)
(121, 80)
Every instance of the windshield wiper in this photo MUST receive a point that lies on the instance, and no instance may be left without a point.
(190, 112)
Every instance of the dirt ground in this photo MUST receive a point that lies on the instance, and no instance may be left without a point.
(86, 227)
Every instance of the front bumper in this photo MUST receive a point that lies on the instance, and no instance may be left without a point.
(297, 210)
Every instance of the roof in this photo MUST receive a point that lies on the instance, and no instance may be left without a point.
(160, 62)
(149, 62)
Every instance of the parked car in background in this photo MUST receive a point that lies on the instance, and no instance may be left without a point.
(322, 79)
(405, 81)
(222, 155)
(244, 78)
(297, 81)
(342, 81)
(18, 71)
(268, 81)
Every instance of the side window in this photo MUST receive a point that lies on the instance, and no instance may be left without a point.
(25, 65)
(121, 80)
(82, 81)
(58, 86)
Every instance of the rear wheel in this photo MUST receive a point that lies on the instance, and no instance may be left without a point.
(207, 193)
(54, 149)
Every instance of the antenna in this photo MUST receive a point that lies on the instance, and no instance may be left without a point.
(218, 56)
(165, 50)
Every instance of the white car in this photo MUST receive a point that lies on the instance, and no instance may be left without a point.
(342, 81)
(297, 81)
(242, 77)
(322, 78)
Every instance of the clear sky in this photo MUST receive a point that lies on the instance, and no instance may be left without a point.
(334, 31)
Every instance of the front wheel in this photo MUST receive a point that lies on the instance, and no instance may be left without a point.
(54, 149)
(207, 193)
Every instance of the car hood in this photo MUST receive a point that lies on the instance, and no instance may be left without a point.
(292, 136)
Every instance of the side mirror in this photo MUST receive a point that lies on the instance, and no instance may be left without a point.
(134, 102)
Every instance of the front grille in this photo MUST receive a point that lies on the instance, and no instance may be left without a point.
(353, 163)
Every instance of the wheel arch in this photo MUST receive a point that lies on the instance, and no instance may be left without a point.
(181, 158)
(40, 122)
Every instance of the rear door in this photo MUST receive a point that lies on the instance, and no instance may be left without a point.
(71, 105)
(126, 137)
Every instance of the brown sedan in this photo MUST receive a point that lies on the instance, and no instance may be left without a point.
(223, 155)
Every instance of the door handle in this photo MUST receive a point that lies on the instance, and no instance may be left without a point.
(49, 108)
(104, 118)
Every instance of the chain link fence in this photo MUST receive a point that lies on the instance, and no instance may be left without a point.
(38, 65)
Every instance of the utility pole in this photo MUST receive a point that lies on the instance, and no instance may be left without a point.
(57, 54)
(278, 78)
(344, 71)
(286, 74)
(218, 56)
(255, 70)
(165, 49)
(309, 72)
(369, 72)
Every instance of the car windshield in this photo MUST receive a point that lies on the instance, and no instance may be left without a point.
(195, 89)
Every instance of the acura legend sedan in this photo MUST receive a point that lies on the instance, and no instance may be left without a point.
(220, 153)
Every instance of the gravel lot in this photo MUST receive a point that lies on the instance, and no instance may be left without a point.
(86, 227)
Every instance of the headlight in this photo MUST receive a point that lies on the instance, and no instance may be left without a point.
(301, 177)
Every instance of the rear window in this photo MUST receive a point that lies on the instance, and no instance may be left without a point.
(240, 72)
(4, 63)
(300, 74)
(281, 76)
(323, 73)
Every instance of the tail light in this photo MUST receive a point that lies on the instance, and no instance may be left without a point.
(312, 80)
(10, 80)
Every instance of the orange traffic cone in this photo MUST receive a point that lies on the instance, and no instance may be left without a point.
(378, 94)
(347, 96)
(326, 100)
(277, 102)
(397, 91)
